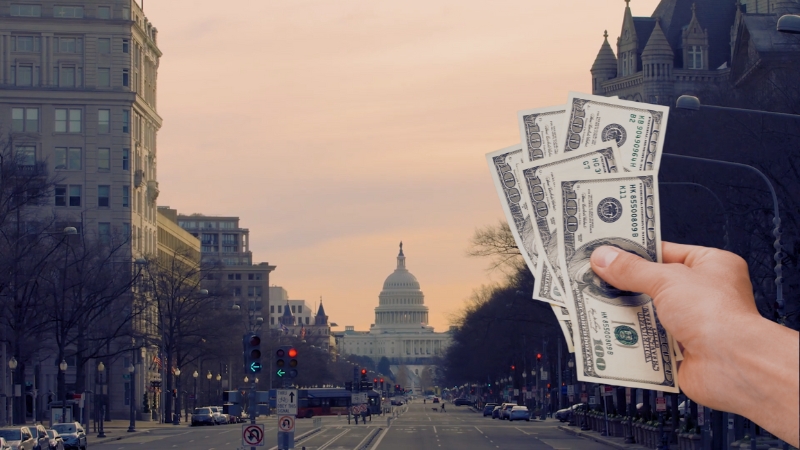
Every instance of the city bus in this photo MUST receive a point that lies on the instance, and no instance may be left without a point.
(327, 402)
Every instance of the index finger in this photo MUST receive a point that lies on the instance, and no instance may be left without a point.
(672, 253)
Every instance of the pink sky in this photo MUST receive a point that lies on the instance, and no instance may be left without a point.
(337, 128)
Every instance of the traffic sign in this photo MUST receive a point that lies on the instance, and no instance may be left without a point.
(571, 389)
(608, 391)
(358, 398)
(286, 402)
(592, 400)
(584, 398)
(286, 423)
(253, 435)
(661, 404)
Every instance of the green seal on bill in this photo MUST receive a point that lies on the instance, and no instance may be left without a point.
(626, 335)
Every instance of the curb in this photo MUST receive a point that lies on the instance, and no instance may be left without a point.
(600, 440)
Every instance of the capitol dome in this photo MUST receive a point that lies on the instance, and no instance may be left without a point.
(401, 302)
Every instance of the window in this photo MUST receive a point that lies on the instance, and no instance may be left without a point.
(125, 77)
(24, 75)
(299, 309)
(104, 232)
(103, 158)
(307, 318)
(293, 308)
(103, 121)
(25, 119)
(25, 43)
(126, 196)
(279, 309)
(61, 195)
(104, 196)
(103, 12)
(272, 309)
(69, 76)
(103, 45)
(68, 12)
(26, 10)
(126, 13)
(237, 291)
(26, 155)
(126, 121)
(126, 159)
(126, 230)
(126, 46)
(68, 158)
(254, 291)
(68, 45)
(696, 57)
(103, 77)
(68, 195)
(68, 120)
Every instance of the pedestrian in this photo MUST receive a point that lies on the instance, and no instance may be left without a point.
(704, 299)
(443, 407)
(423, 401)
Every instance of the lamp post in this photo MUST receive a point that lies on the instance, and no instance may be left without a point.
(219, 385)
(132, 372)
(195, 375)
(100, 369)
(63, 368)
(693, 103)
(208, 391)
(571, 365)
(176, 420)
(12, 364)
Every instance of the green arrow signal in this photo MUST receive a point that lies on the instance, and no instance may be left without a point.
(281, 372)
(255, 366)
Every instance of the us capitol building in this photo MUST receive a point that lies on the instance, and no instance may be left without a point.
(401, 332)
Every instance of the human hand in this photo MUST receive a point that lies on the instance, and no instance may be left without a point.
(704, 298)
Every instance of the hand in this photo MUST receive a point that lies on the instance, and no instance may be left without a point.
(734, 359)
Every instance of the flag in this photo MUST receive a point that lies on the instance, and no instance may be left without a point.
(284, 329)
(302, 332)
(157, 361)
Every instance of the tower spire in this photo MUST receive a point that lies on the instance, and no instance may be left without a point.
(401, 258)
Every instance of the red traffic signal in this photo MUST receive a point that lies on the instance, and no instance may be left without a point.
(538, 356)
(513, 367)
(292, 352)
(255, 341)
(375, 380)
(364, 372)
(381, 380)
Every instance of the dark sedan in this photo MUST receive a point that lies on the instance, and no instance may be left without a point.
(203, 416)
(463, 401)
(487, 409)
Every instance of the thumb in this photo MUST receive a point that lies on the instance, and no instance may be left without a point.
(629, 272)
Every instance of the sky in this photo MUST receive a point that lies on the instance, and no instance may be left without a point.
(335, 129)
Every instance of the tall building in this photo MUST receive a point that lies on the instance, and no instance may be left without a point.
(687, 46)
(401, 332)
(225, 252)
(78, 90)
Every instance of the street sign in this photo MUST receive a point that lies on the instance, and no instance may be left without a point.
(571, 389)
(592, 400)
(544, 375)
(608, 391)
(286, 402)
(584, 398)
(358, 398)
(286, 423)
(661, 404)
(628, 395)
(516, 392)
(571, 398)
(253, 435)
(564, 390)
(701, 417)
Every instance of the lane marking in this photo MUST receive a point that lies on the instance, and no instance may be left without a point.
(328, 444)
(479, 430)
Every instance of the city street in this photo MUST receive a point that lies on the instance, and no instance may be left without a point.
(419, 428)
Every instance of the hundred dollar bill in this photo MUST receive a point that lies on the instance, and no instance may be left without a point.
(545, 288)
(619, 338)
(637, 129)
(541, 191)
(541, 131)
(566, 325)
(503, 164)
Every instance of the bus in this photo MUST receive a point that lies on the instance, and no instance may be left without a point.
(327, 402)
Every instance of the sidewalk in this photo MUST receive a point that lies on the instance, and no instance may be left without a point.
(616, 442)
(118, 429)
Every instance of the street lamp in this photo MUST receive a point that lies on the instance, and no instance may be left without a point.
(693, 103)
(209, 376)
(789, 23)
(100, 369)
(12, 364)
(176, 419)
(195, 375)
(132, 372)
(219, 384)
(63, 367)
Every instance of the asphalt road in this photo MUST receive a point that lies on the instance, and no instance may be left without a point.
(418, 428)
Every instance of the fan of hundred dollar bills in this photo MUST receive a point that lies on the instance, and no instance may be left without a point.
(586, 175)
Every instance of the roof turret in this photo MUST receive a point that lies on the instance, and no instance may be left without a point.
(606, 60)
(657, 45)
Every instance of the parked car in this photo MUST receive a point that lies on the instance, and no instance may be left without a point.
(220, 417)
(203, 416)
(487, 409)
(18, 438)
(435, 399)
(519, 413)
(506, 409)
(566, 414)
(39, 434)
(497, 411)
(55, 439)
(4, 445)
(73, 434)
(462, 401)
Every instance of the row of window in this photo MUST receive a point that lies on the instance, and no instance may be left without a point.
(66, 76)
(72, 195)
(66, 12)
(238, 276)
(67, 120)
(252, 291)
(191, 224)
(298, 310)
(33, 44)
(71, 158)
(299, 321)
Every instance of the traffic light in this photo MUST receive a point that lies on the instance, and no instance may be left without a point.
(381, 383)
(286, 362)
(513, 367)
(252, 353)
(538, 357)
(363, 374)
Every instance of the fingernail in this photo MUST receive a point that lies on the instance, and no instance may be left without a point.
(604, 256)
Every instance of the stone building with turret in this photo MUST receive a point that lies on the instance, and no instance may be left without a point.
(687, 46)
